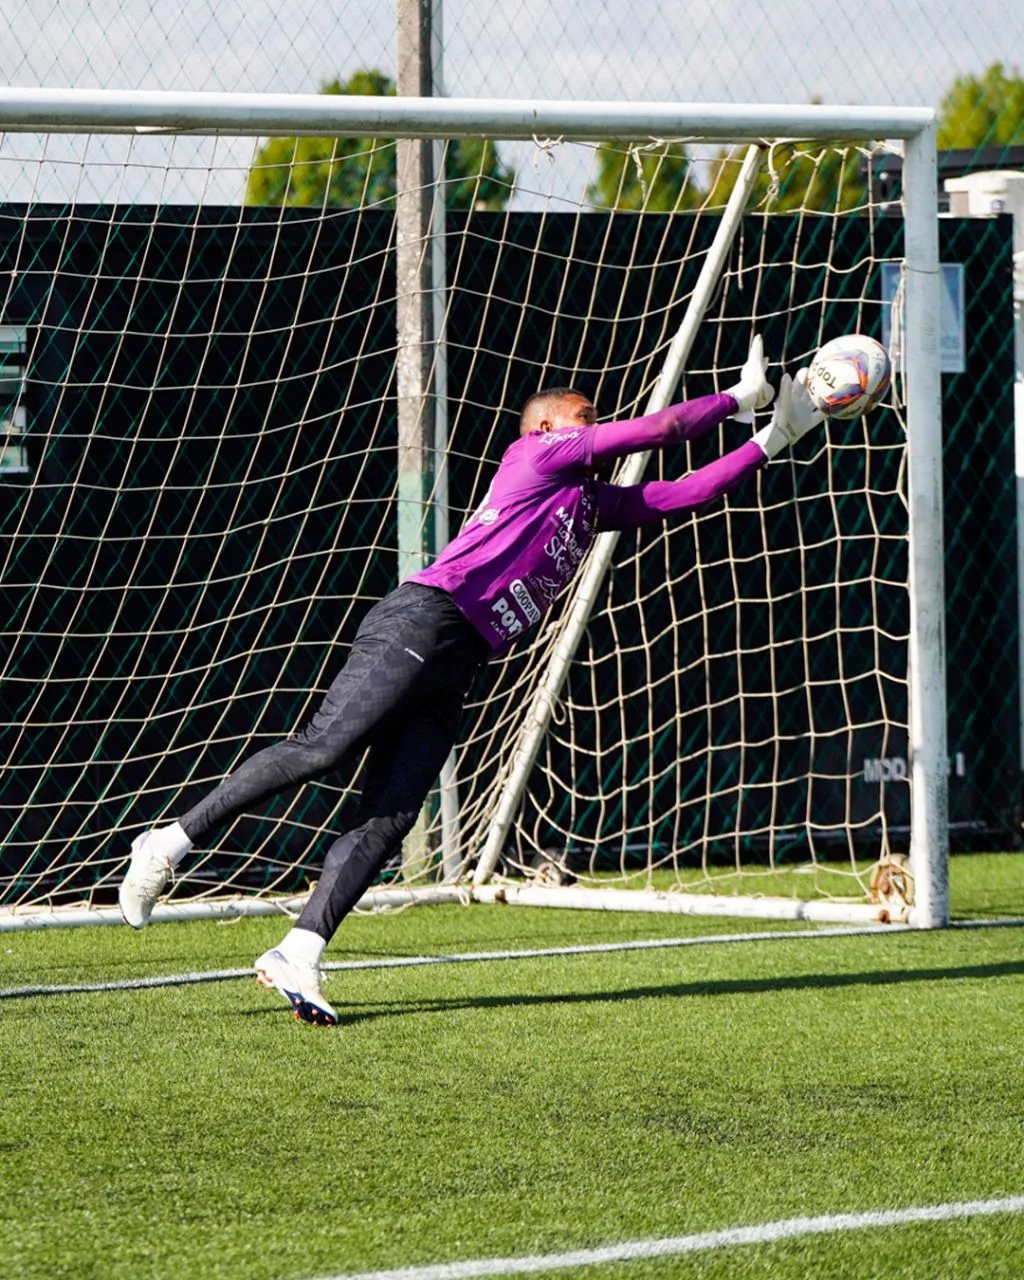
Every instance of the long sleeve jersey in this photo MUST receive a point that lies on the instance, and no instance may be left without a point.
(521, 547)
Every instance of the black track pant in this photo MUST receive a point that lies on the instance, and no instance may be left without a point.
(400, 693)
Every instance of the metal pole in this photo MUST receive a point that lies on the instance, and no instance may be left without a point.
(420, 284)
(281, 114)
(929, 758)
(589, 583)
(449, 787)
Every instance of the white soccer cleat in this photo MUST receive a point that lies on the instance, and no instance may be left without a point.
(299, 983)
(144, 882)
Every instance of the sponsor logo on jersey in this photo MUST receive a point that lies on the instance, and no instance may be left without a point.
(565, 549)
(508, 622)
(524, 599)
(552, 437)
(488, 515)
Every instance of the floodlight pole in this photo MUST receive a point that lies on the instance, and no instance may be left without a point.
(420, 285)
(421, 353)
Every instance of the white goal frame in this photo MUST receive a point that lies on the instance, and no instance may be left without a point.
(139, 112)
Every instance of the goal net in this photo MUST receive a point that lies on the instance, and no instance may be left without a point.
(249, 381)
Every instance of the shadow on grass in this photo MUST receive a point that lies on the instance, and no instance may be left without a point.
(349, 1015)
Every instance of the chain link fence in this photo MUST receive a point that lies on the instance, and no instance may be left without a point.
(884, 51)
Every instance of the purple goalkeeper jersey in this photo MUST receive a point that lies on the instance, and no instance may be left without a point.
(523, 544)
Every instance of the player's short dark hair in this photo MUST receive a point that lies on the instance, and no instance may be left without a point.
(547, 394)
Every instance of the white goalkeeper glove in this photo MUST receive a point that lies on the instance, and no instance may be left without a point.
(793, 416)
(753, 391)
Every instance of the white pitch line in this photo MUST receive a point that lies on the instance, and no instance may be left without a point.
(466, 957)
(477, 957)
(671, 1246)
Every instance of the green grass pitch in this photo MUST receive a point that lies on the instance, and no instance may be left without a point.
(529, 1106)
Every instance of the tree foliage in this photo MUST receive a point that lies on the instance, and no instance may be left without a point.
(353, 172)
(347, 172)
(665, 179)
(985, 110)
(795, 176)
(653, 179)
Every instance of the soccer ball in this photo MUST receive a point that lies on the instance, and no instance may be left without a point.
(848, 376)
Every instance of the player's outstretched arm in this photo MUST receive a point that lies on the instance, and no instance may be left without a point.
(688, 420)
(630, 506)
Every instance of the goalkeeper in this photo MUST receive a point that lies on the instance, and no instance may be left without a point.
(401, 690)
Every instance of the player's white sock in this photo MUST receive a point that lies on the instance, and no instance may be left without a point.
(171, 841)
(303, 945)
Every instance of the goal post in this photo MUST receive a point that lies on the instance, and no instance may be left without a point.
(178, 548)
(929, 754)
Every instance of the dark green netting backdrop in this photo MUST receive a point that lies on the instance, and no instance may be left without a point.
(210, 510)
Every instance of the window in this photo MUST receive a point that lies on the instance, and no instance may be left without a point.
(13, 419)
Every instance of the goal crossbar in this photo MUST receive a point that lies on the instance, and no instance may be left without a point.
(130, 111)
